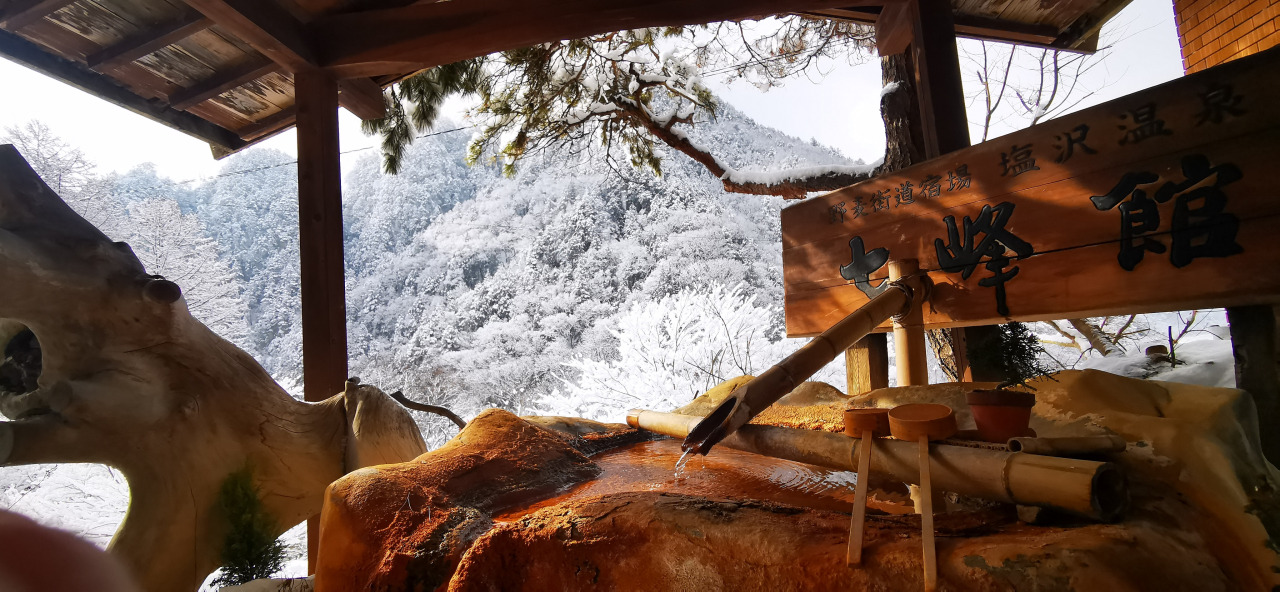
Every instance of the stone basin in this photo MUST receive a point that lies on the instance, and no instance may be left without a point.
(650, 466)
(563, 504)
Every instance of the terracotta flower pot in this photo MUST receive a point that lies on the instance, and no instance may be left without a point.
(1000, 414)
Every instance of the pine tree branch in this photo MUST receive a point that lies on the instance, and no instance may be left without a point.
(789, 187)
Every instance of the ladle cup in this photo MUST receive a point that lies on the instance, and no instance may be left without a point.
(865, 424)
(923, 422)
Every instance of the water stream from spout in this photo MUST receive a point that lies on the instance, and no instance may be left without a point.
(684, 460)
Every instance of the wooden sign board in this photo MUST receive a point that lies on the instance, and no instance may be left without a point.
(1166, 199)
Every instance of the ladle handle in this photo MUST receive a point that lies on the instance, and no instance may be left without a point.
(926, 519)
(860, 498)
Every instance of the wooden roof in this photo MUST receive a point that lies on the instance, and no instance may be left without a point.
(1072, 25)
(222, 70)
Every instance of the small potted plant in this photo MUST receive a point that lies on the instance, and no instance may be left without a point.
(1002, 413)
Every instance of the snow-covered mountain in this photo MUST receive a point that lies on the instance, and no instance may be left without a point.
(473, 290)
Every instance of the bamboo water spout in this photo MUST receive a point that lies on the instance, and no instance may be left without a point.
(748, 400)
(1091, 489)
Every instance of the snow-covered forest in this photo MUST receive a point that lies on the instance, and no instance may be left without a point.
(572, 288)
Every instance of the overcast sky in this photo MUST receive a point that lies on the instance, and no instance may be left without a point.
(841, 109)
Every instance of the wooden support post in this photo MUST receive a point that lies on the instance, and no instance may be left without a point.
(1253, 342)
(938, 81)
(324, 311)
(982, 368)
(866, 364)
(940, 92)
(960, 353)
(908, 334)
(934, 124)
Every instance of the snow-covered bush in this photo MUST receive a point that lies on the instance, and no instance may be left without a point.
(671, 350)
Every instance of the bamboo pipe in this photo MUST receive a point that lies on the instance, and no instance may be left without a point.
(1069, 446)
(908, 332)
(748, 400)
(1091, 489)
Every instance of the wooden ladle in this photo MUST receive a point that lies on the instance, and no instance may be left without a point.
(865, 424)
(923, 422)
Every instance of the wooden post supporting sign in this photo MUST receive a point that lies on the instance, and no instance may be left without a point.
(925, 29)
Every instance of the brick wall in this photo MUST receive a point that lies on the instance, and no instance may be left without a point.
(1216, 31)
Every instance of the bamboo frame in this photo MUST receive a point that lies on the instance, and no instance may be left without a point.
(908, 332)
(1091, 489)
(1069, 446)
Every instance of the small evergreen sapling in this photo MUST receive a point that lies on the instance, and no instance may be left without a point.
(251, 550)
(1015, 350)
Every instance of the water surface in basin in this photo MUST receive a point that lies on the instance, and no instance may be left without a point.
(725, 473)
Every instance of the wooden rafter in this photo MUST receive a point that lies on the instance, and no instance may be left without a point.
(32, 56)
(265, 127)
(979, 27)
(264, 25)
(362, 97)
(146, 42)
(406, 39)
(24, 12)
(277, 34)
(221, 82)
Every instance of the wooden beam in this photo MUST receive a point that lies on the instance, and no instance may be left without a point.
(324, 324)
(270, 124)
(973, 27)
(867, 365)
(265, 26)
(324, 313)
(28, 54)
(982, 367)
(1253, 343)
(146, 42)
(1083, 34)
(894, 29)
(940, 93)
(221, 82)
(960, 353)
(938, 80)
(24, 12)
(387, 41)
(362, 97)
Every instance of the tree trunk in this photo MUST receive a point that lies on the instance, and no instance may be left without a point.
(127, 377)
(1094, 335)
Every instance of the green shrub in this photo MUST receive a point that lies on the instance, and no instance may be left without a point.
(1015, 351)
(251, 550)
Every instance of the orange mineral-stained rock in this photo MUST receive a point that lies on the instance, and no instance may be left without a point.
(513, 504)
(404, 526)
(661, 542)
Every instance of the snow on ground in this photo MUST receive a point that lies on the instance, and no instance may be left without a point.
(87, 500)
(1202, 356)
(1206, 363)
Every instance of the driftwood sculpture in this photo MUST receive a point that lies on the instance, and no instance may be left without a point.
(115, 370)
